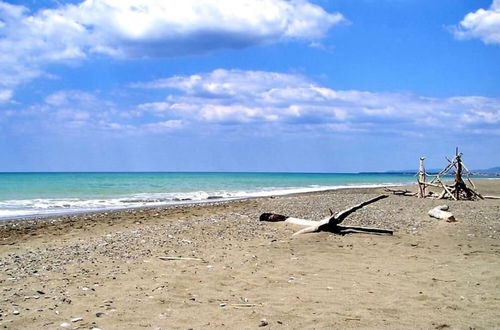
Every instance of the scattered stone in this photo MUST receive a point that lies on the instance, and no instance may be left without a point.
(100, 314)
(16, 312)
(65, 325)
(77, 319)
(263, 323)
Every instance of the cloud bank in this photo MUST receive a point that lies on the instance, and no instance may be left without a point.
(483, 24)
(147, 28)
(260, 102)
(294, 102)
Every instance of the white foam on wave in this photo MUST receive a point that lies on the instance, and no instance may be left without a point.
(43, 207)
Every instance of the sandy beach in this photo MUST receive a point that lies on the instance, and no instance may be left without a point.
(104, 270)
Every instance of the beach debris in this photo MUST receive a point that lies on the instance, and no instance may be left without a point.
(400, 192)
(458, 190)
(65, 325)
(441, 212)
(421, 178)
(180, 258)
(332, 223)
(491, 197)
(237, 306)
(263, 323)
(77, 319)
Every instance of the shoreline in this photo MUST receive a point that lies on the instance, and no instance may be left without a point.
(210, 199)
(32, 224)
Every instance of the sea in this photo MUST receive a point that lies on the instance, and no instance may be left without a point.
(25, 195)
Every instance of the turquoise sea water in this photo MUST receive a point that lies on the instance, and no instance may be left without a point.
(29, 194)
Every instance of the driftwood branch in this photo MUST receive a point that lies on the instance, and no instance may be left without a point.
(180, 258)
(400, 192)
(339, 217)
(331, 223)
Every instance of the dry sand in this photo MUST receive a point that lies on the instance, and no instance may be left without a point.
(103, 270)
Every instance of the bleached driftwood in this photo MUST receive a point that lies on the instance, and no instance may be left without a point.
(421, 178)
(491, 197)
(331, 223)
(301, 222)
(441, 212)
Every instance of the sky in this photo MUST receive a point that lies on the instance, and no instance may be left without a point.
(248, 85)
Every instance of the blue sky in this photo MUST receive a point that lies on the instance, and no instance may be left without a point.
(248, 85)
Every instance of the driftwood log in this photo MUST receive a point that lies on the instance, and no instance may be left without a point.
(441, 212)
(421, 178)
(332, 223)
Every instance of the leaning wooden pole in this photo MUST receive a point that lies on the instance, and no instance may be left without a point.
(459, 182)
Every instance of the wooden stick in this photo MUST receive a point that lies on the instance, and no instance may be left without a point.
(400, 192)
(433, 185)
(448, 191)
(243, 305)
(491, 197)
(180, 258)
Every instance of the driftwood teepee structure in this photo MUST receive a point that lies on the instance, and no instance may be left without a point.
(458, 189)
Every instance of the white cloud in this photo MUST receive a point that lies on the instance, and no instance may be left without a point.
(5, 95)
(161, 127)
(171, 28)
(483, 24)
(147, 28)
(268, 98)
(260, 102)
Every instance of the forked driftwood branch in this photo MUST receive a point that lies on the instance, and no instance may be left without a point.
(332, 223)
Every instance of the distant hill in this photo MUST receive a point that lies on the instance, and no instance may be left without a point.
(488, 171)
(493, 170)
